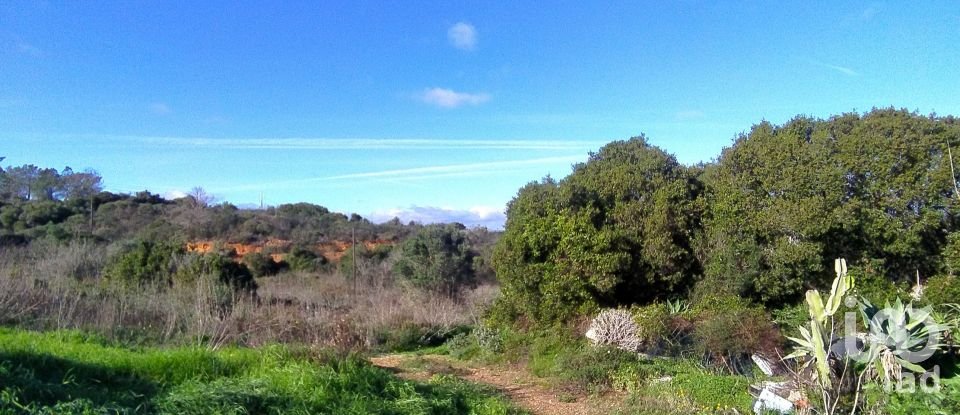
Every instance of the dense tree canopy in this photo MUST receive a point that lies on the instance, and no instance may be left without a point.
(785, 200)
(763, 221)
(619, 229)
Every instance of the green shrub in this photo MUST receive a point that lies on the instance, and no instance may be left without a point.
(411, 336)
(144, 261)
(489, 339)
(715, 304)
(592, 369)
(728, 338)
(463, 346)
(941, 289)
(876, 287)
(615, 232)
(789, 317)
(261, 265)
(437, 257)
(653, 325)
(303, 259)
(226, 271)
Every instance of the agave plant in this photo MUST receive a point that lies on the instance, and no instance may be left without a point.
(899, 336)
(677, 307)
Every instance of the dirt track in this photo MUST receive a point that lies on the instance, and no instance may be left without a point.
(519, 387)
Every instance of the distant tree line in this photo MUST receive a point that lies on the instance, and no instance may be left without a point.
(149, 234)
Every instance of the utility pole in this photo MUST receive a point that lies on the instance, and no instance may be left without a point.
(91, 214)
(261, 200)
(353, 247)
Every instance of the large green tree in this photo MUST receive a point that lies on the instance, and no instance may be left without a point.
(618, 230)
(785, 200)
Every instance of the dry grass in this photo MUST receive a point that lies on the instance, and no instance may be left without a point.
(58, 286)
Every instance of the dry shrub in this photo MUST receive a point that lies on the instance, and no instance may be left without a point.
(727, 339)
(58, 286)
(616, 327)
(333, 304)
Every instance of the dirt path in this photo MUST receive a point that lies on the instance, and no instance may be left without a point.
(521, 388)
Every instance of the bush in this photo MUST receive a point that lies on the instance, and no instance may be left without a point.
(437, 257)
(303, 259)
(876, 287)
(653, 326)
(226, 271)
(941, 289)
(616, 328)
(790, 317)
(463, 346)
(592, 369)
(261, 265)
(411, 336)
(728, 338)
(144, 262)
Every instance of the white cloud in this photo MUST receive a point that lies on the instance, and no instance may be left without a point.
(159, 108)
(448, 98)
(462, 36)
(174, 194)
(486, 216)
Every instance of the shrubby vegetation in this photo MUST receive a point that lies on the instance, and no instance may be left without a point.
(739, 239)
(439, 258)
(763, 221)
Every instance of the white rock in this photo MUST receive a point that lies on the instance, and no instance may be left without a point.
(769, 401)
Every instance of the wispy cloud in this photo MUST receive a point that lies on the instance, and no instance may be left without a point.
(415, 173)
(159, 108)
(327, 144)
(448, 98)
(842, 69)
(487, 216)
(29, 50)
(463, 36)
(453, 168)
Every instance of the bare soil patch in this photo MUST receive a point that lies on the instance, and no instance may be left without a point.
(523, 389)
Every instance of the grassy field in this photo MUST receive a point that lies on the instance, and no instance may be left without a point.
(68, 372)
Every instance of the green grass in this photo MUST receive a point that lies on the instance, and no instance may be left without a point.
(653, 386)
(72, 373)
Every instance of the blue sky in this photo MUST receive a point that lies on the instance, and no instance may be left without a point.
(436, 110)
